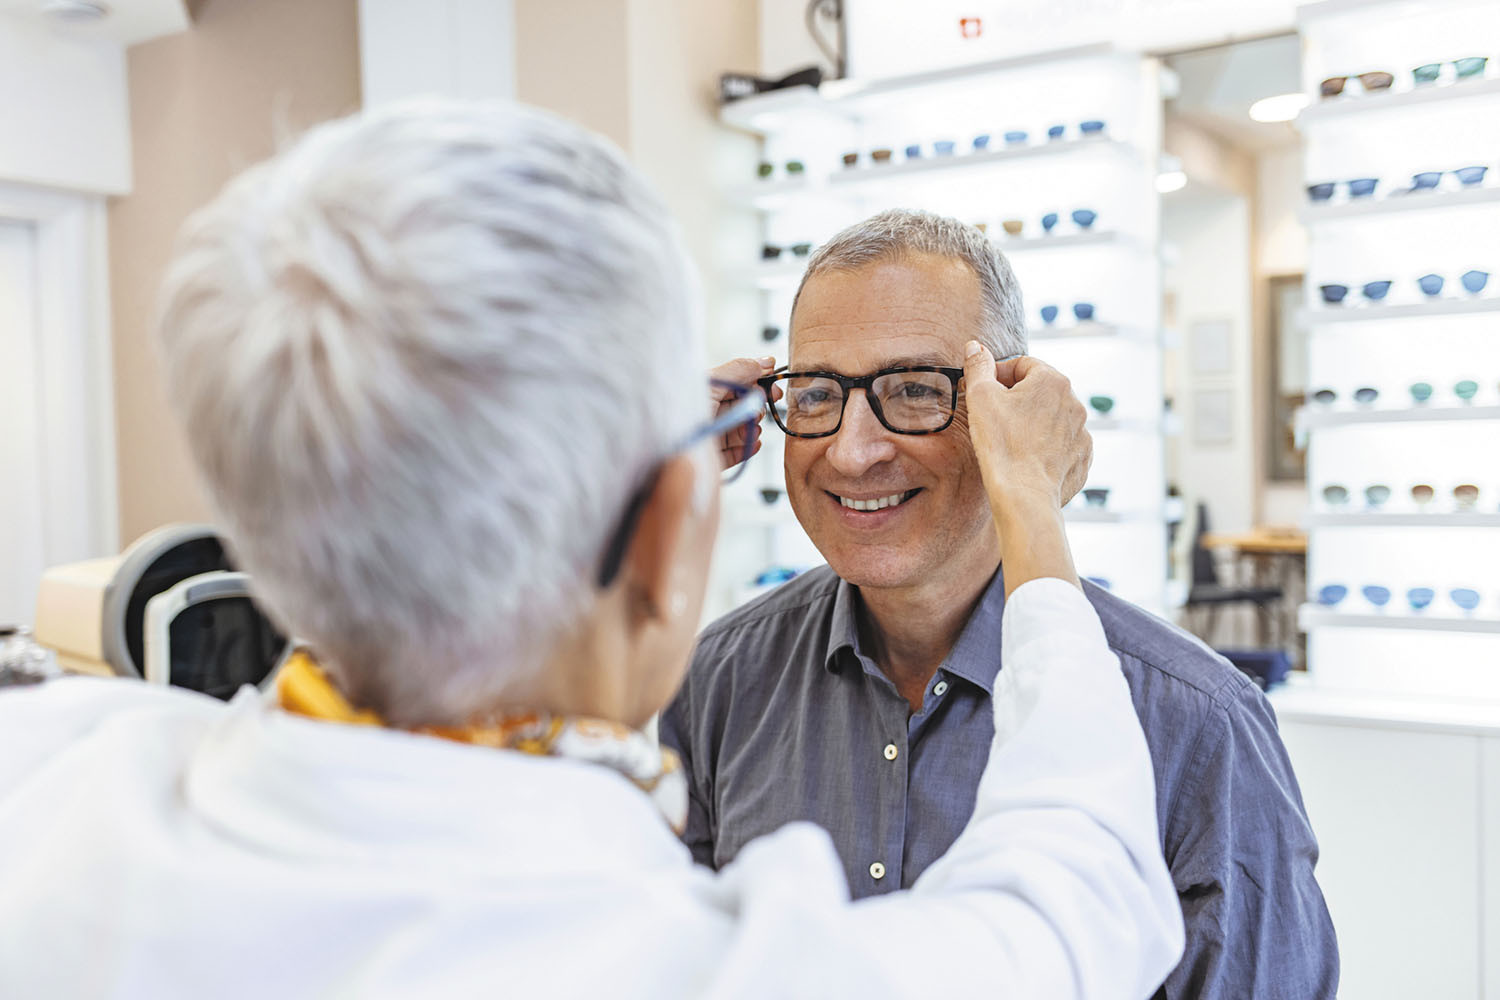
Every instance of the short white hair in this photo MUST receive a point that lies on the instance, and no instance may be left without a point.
(424, 356)
(894, 233)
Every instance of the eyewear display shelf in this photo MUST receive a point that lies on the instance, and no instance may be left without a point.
(1421, 355)
(1075, 211)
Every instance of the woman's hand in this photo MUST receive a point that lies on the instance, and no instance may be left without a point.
(1027, 427)
(1028, 433)
(740, 371)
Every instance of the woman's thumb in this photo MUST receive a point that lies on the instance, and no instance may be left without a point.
(979, 365)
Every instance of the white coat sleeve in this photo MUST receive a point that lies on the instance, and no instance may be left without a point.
(1055, 889)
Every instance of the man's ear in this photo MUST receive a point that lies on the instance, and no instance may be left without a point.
(661, 531)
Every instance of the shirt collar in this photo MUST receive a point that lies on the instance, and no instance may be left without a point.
(975, 657)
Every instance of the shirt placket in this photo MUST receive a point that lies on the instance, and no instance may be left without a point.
(890, 752)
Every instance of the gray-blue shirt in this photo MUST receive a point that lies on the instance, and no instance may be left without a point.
(784, 717)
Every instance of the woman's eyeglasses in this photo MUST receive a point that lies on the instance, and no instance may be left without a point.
(740, 407)
(918, 399)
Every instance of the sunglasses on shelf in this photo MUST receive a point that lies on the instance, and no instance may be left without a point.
(1364, 394)
(1373, 291)
(1372, 81)
(1463, 69)
(1359, 187)
(1428, 180)
(771, 251)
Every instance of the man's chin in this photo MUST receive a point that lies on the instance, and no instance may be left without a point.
(873, 570)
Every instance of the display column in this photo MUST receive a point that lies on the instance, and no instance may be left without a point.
(1403, 417)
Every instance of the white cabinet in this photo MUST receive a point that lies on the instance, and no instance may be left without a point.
(1397, 821)
(1489, 845)
(1404, 796)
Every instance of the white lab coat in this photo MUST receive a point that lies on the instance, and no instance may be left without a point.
(157, 844)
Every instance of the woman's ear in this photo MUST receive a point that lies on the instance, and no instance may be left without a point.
(664, 526)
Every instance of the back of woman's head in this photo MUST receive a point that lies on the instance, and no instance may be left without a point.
(422, 357)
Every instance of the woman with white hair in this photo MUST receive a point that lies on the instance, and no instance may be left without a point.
(439, 369)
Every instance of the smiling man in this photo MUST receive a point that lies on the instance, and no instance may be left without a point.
(857, 696)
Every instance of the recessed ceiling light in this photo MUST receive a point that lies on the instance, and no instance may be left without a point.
(1281, 108)
(1171, 180)
(76, 11)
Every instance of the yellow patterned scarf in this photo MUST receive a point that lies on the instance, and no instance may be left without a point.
(304, 689)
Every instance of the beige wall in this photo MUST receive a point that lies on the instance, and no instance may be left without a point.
(203, 105)
(571, 58)
(645, 74)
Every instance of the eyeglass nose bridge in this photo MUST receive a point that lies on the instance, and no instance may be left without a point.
(866, 384)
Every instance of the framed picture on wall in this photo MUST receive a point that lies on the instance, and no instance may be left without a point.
(1213, 416)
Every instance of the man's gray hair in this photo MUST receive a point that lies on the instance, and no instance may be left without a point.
(899, 231)
(423, 358)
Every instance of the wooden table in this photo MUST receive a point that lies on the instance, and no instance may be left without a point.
(1272, 556)
(1272, 541)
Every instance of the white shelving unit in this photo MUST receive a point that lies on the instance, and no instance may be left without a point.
(1399, 234)
(1111, 265)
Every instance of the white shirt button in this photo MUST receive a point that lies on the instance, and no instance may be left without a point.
(890, 754)
(877, 871)
(940, 688)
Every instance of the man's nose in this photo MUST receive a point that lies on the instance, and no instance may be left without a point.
(862, 441)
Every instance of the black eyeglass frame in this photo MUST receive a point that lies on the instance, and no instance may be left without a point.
(744, 411)
(849, 382)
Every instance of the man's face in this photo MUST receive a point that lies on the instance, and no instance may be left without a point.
(919, 310)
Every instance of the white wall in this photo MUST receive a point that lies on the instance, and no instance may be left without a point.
(65, 112)
(1281, 239)
(1207, 236)
(891, 37)
(1281, 249)
(450, 48)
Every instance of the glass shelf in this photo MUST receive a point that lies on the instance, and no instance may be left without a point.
(1083, 331)
(1090, 238)
(1362, 208)
(1413, 519)
(1340, 108)
(763, 114)
(1311, 616)
(1413, 310)
(1112, 424)
(1092, 515)
(1313, 419)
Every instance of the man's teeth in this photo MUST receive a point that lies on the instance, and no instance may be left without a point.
(880, 504)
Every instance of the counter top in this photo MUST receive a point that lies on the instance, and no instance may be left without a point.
(1301, 700)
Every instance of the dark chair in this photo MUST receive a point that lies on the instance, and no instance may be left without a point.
(1207, 595)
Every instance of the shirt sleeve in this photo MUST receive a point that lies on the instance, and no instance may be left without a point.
(1056, 888)
(674, 730)
(1243, 867)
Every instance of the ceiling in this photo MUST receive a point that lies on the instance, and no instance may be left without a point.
(129, 21)
(1218, 85)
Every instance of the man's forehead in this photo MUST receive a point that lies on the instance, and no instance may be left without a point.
(911, 310)
(870, 346)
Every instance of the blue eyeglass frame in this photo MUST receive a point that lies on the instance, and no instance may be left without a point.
(746, 410)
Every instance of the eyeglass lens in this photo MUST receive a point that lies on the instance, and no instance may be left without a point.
(910, 402)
